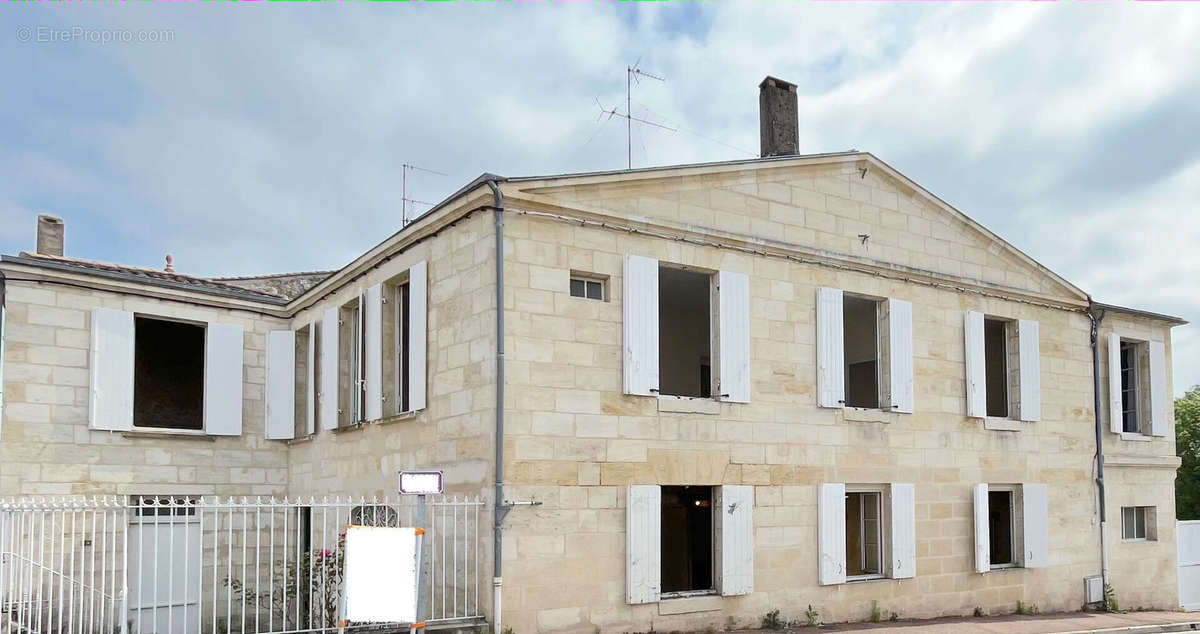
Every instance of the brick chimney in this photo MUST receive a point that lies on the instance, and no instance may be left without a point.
(778, 118)
(50, 235)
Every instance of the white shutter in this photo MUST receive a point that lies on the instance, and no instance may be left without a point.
(639, 326)
(329, 369)
(223, 361)
(373, 346)
(1031, 371)
(1115, 412)
(831, 354)
(418, 317)
(900, 357)
(735, 522)
(311, 381)
(831, 533)
(904, 531)
(1037, 529)
(976, 372)
(281, 385)
(983, 562)
(734, 339)
(111, 398)
(1158, 389)
(643, 532)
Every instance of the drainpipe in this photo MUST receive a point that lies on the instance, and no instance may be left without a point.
(1095, 336)
(498, 505)
(3, 314)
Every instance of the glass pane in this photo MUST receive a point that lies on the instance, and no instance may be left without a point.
(1140, 523)
(1127, 523)
(595, 290)
(578, 288)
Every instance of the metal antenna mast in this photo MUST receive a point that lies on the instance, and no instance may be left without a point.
(404, 199)
(632, 73)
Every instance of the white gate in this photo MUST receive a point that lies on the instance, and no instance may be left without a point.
(1187, 542)
(187, 565)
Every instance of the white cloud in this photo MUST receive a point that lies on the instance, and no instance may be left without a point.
(1061, 127)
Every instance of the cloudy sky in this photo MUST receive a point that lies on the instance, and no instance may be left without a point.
(264, 138)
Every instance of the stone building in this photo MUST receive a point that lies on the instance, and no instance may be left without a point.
(799, 380)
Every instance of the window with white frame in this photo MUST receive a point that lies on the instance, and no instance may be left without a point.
(589, 287)
(1003, 373)
(351, 385)
(400, 337)
(689, 540)
(686, 331)
(1011, 526)
(158, 373)
(864, 352)
(1138, 523)
(866, 532)
(1137, 390)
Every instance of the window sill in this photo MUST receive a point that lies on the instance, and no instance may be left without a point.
(157, 432)
(301, 440)
(865, 415)
(867, 578)
(1003, 567)
(1002, 424)
(1136, 437)
(689, 602)
(398, 418)
(688, 404)
(1139, 540)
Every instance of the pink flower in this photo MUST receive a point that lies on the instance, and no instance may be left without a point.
(324, 553)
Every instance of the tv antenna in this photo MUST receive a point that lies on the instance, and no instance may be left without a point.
(633, 74)
(404, 199)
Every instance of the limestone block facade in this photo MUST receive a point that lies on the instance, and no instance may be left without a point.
(807, 496)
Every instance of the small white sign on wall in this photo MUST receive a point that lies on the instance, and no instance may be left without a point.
(381, 567)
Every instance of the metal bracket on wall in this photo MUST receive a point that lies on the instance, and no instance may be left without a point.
(508, 506)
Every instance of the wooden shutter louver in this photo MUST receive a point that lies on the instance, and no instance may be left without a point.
(831, 380)
(1031, 373)
(281, 385)
(643, 531)
(111, 386)
(1035, 510)
(983, 562)
(831, 534)
(735, 524)
(373, 349)
(1116, 421)
(1158, 389)
(734, 337)
(223, 362)
(974, 359)
(329, 370)
(639, 325)
(900, 357)
(418, 320)
(904, 531)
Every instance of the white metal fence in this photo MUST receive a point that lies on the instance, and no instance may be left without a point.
(188, 565)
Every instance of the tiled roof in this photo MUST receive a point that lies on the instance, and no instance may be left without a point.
(150, 275)
(287, 285)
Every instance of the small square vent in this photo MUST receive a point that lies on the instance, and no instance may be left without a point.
(1093, 589)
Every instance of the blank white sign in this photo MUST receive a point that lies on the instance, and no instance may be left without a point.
(381, 574)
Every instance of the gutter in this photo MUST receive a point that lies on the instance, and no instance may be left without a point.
(499, 507)
(1096, 317)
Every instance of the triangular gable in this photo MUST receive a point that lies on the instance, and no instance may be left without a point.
(819, 202)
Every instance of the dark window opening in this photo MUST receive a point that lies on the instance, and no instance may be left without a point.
(587, 288)
(168, 376)
(864, 534)
(687, 539)
(1129, 387)
(402, 318)
(1000, 527)
(860, 340)
(995, 360)
(684, 332)
(300, 393)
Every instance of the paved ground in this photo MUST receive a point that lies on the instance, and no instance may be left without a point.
(1075, 622)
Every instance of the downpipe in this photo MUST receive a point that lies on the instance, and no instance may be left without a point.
(1095, 340)
(498, 507)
